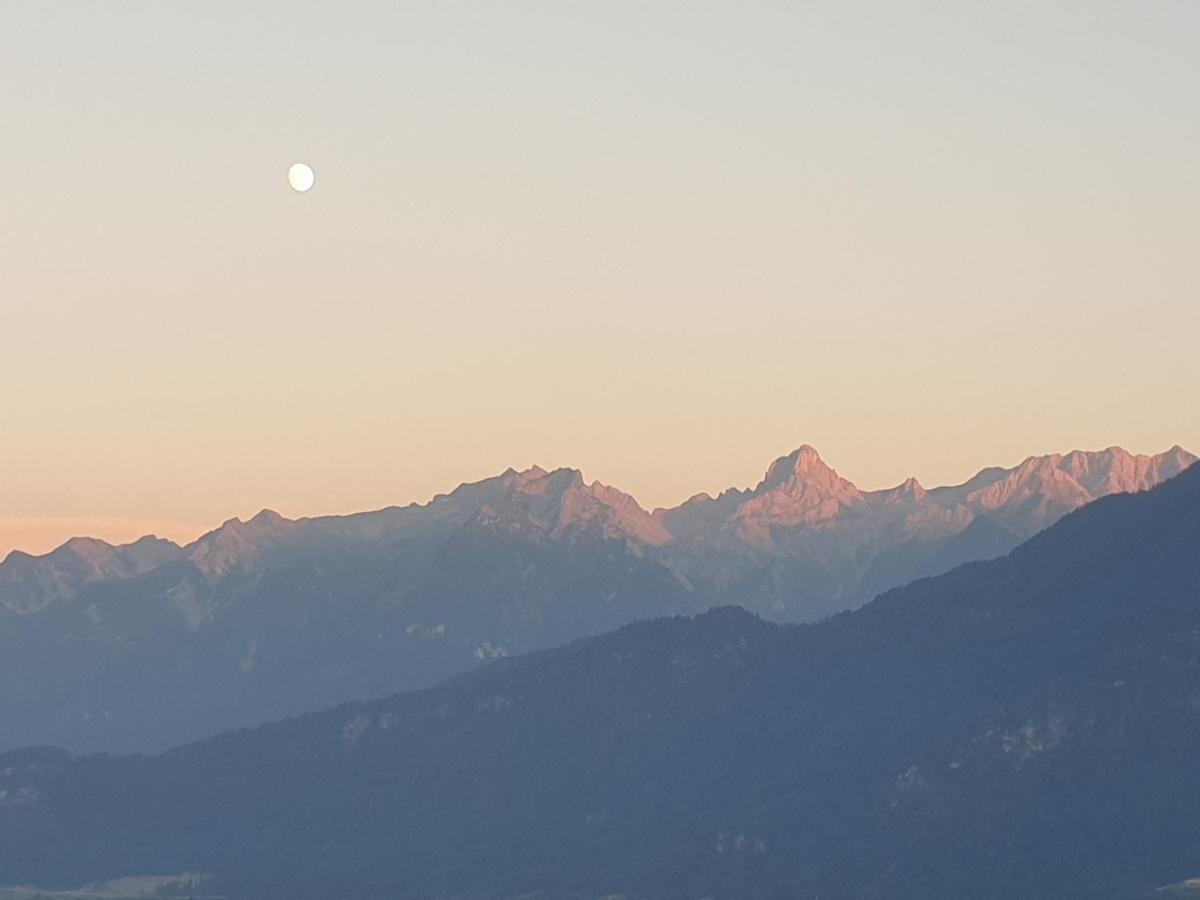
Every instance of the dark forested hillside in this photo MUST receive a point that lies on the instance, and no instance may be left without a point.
(1021, 727)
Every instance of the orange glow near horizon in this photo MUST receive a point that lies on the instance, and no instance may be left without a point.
(41, 535)
(660, 243)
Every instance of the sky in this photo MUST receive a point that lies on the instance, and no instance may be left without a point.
(663, 243)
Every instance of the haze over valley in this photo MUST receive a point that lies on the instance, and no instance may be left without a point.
(1019, 727)
(857, 344)
(147, 645)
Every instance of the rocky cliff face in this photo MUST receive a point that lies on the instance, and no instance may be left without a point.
(151, 643)
(1024, 727)
(801, 493)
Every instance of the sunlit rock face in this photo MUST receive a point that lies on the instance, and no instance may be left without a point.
(149, 644)
(30, 583)
(798, 490)
(801, 493)
(968, 735)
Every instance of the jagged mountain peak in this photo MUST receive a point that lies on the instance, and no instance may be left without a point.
(802, 471)
(237, 543)
(803, 462)
(148, 552)
(1022, 679)
(799, 489)
(91, 559)
(538, 481)
(264, 519)
(503, 562)
(561, 504)
(30, 582)
(1178, 453)
(617, 513)
(703, 499)
(802, 492)
(908, 491)
(1042, 488)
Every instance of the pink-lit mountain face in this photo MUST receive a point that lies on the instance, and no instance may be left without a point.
(1002, 730)
(815, 543)
(274, 616)
(801, 493)
(799, 497)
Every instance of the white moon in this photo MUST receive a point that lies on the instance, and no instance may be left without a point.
(301, 177)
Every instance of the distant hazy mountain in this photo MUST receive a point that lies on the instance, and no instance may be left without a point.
(806, 542)
(1024, 727)
(150, 644)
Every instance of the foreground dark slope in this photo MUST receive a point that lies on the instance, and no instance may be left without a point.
(1023, 727)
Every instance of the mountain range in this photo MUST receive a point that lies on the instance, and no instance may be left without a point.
(147, 645)
(1024, 726)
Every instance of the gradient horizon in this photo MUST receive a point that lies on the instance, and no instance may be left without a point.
(661, 245)
(42, 535)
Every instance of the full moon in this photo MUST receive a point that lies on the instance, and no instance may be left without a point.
(301, 177)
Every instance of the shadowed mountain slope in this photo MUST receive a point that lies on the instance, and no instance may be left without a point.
(1020, 727)
(148, 645)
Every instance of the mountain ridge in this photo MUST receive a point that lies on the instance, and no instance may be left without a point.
(1023, 726)
(149, 644)
(802, 472)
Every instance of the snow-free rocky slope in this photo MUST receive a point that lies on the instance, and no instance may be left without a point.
(1023, 727)
(147, 645)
